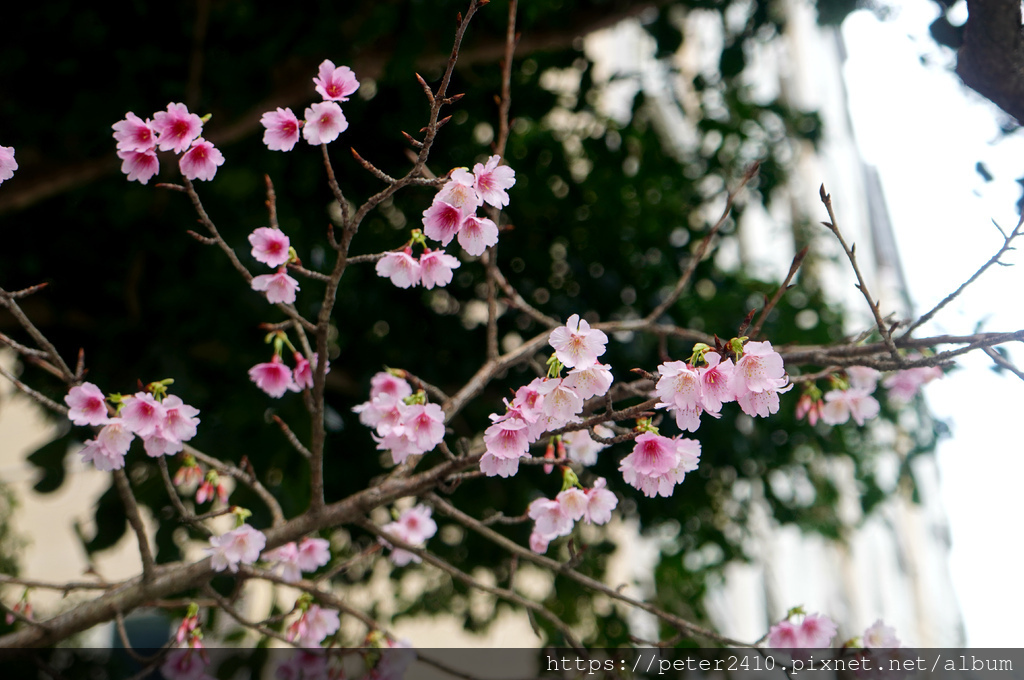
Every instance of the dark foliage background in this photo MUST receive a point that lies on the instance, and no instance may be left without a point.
(147, 302)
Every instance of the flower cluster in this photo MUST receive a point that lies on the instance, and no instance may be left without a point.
(554, 518)
(207, 486)
(414, 526)
(754, 381)
(313, 625)
(548, 403)
(405, 423)
(241, 545)
(852, 399)
(453, 210)
(175, 129)
(904, 385)
(324, 121)
(432, 268)
(658, 463)
(291, 559)
(275, 378)
(272, 247)
(814, 631)
(7, 163)
(163, 422)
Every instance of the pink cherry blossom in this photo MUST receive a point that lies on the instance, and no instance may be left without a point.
(425, 425)
(414, 526)
(508, 439)
(759, 369)
(270, 246)
(179, 425)
(185, 664)
(808, 407)
(87, 405)
(550, 517)
(201, 161)
(538, 543)
(591, 381)
(436, 268)
(279, 286)
(134, 134)
(760, 404)
(863, 377)
(493, 466)
(176, 127)
(576, 344)
(841, 405)
(313, 553)
(442, 221)
(238, 546)
(284, 561)
(139, 165)
(784, 635)
(388, 383)
(381, 412)
(600, 503)
(657, 464)
(282, 129)
(880, 636)
(817, 631)
(108, 449)
(904, 385)
(400, 267)
(715, 382)
(681, 389)
(335, 84)
(313, 626)
(561, 403)
(574, 502)
(459, 192)
(142, 414)
(477, 234)
(324, 122)
(273, 377)
(303, 373)
(582, 448)
(492, 180)
(7, 163)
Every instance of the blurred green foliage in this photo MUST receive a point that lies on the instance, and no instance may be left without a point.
(602, 214)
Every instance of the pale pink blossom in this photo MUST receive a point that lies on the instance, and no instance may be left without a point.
(477, 234)
(459, 192)
(413, 526)
(284, 561)
(399, 440)
(493, 466)
(425, 425)
(880, 636)
(176, 127)
(238, 546)
(400, 267)
(87, 405)
(270, 246)
(561, 403)
(324, 122)
(681, 389)
(279, 286)
(201, 161)
(600, 503)
(591, 381)
(582, 448)
(212, 487)
(841, 405)
(863, 378)
(273, 377)
(185, 664)
(574, 502)
(784, 635)
(657, 464)
(107, 451)
(715, 382)
(436, 268)
(576, 344)
(760, 404)
(817, 631)
(7, 163)
(313, 626)
(282, 129)
(382, 411)
(179, 425)
(313, 553)
(335, 84)
(139, 165)
(508, 439)
(442, 221)
(142, 414)
(760, 369)
(134, 134)
(550, 518)
(492, 180)
(538, 543)
(904, 385)
(388, 383)
(302, 375)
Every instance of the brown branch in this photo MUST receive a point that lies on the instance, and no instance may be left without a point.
(991, 58)
(8, 301)
(797, 261)
(290, 436)
(131, 509)
(1001, 361)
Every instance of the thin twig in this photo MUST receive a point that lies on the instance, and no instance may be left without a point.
(8, 300)
(1000, 360)
(131, 509)
(290, 436)
(797, 261)
(39, 397)
(172, 493)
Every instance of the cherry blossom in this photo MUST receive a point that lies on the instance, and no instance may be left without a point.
(784, 635)
(335, 84)
(388, 383)
(715, 382)
(201, 161)
(436, 268)
(809, 407)
(576, 344)
(508, 439)
(313, 626)
(400, 267)
(134, 134)
(279, 286)
(550, 518)
(492, 180)
(841, 405)
(179, 425)
(284, 561)
(760, 369)
(582, 448)
(815, 631)
(107, 451)
(538, 543)
(7, 163)
(185, 664)
(87, 405)
(459, 192)
(658, 463)
(282, 129)
(139, 165)
(425, 425)
(863, 377)
(324, 122)
(414, 526)
(904, 385)
(477, 234)
(176, 127)
(680, 389)
(574, 502)
(270, 246)
(592, 381)
(313, 553)
(600, 503)
(142, 414)
(212, 487)
(494, 466)
(442, 221)
(880, 636)
(238, 546)
(273, 377)
(302, 375)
